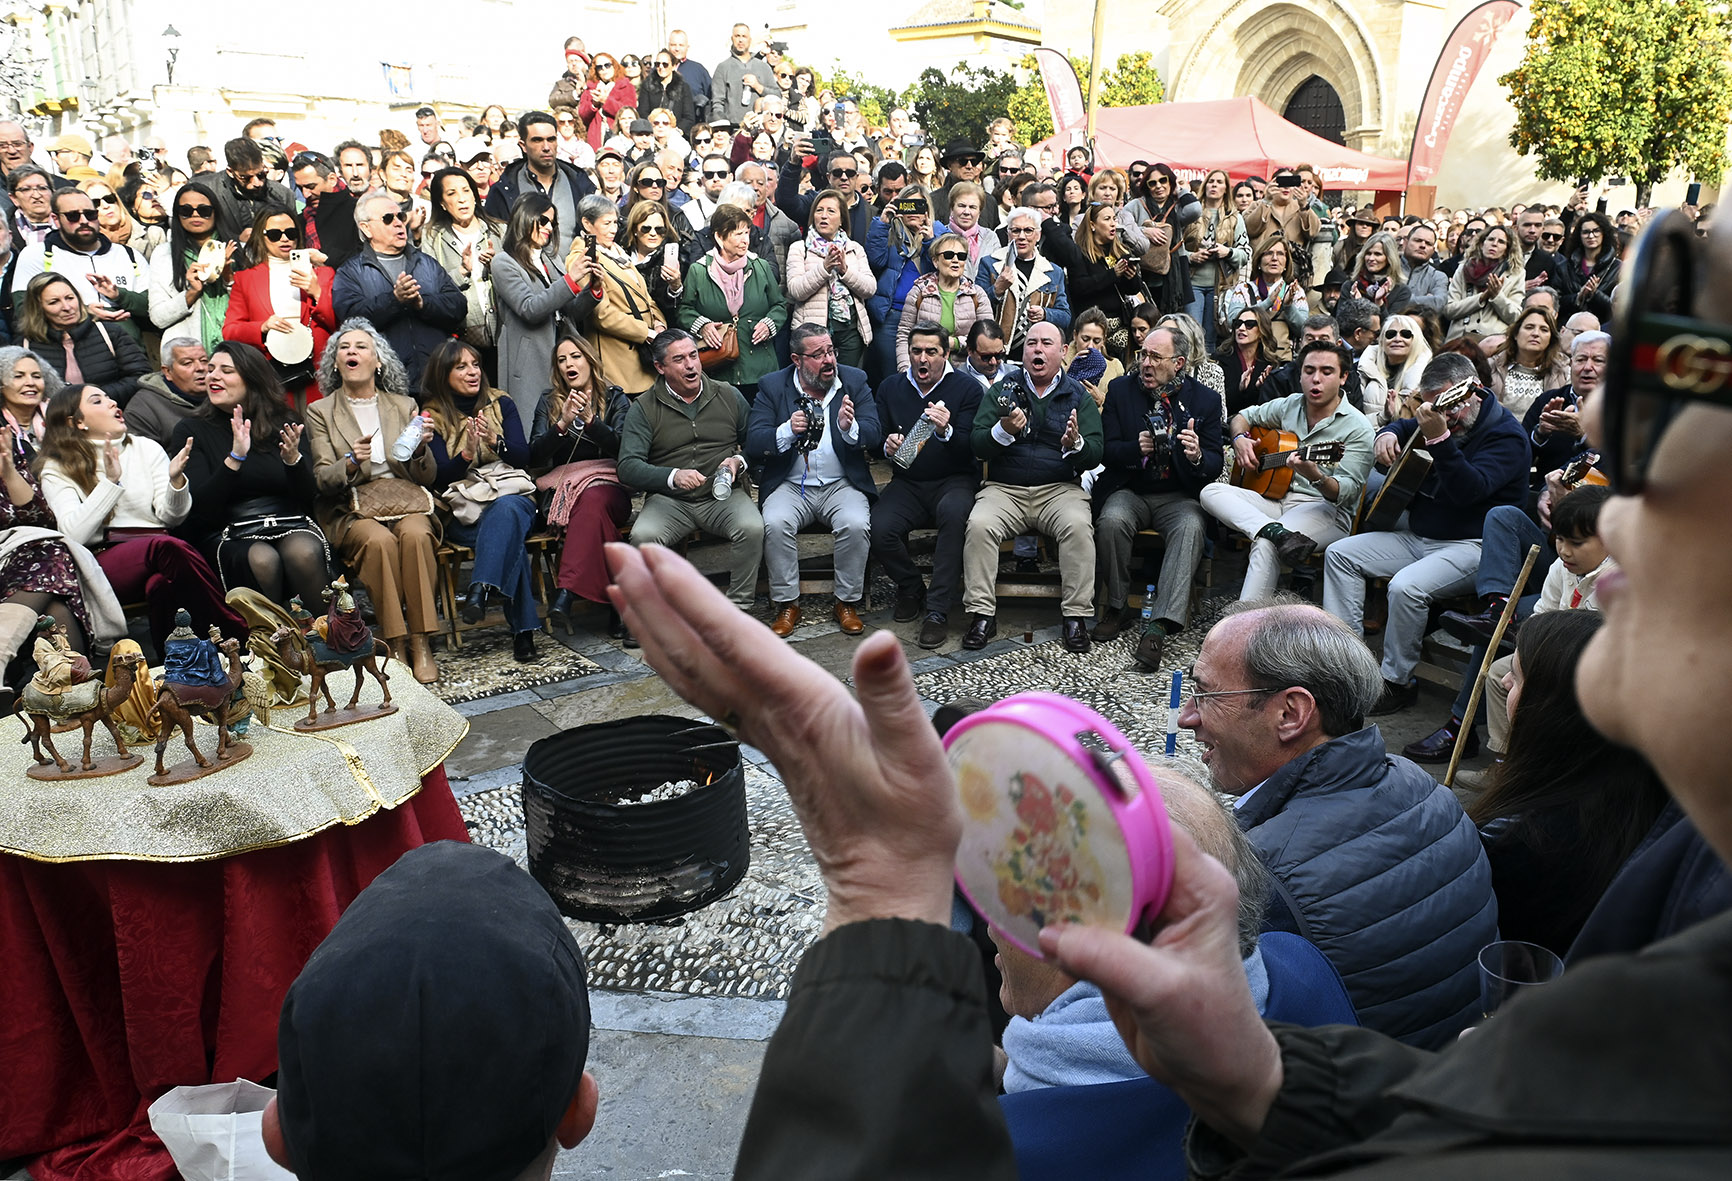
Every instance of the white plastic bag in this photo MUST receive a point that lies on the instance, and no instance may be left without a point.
(212, 1132)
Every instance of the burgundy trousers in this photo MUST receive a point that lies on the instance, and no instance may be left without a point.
(596, 519)
(167, 573)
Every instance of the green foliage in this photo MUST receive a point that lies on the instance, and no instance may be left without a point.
(961, 105)
(875, 101)
(1132, 82)
(1635, 87)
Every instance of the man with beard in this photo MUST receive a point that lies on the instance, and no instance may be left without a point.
(112, 280)
(936, 487)
(328, 220)
(541, 171)
(1162, 431)
(355, 165)
(1320, 502)
(246, 191)
(811, 427)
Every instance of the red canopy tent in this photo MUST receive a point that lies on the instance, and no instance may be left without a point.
(1238, 134)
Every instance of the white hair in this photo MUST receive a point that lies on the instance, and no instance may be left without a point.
(171, 343)
(738, 192)
(1024, 213)
(1592, 337)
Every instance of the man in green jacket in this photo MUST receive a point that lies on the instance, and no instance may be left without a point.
(678, 438)
(1037, 432)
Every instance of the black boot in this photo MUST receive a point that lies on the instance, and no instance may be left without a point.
(559, 611)
(523, 647)
(475, 603)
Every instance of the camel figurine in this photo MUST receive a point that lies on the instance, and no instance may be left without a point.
(193, 685)
(84, 703)
(339, 639)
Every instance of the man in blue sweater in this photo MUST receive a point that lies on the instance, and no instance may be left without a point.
(1480, 460)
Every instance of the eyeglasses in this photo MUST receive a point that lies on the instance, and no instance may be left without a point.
(78, 214)
(1662, 356)
(664, 65)
(565, 122)
(1238, 324)
(147, 195)
(628, 61)
(279, 235)
(13, 145)
(651, 182)
(661, 123)
(259, 174)
(1151, 355)
(784, 77)
(1397, 333)
(31, 189)
(545, 221)
(971, 161)
(950, 255)
(392, 218)
(194, 210)
(1194, 695)
(844, 173)
(715, 174)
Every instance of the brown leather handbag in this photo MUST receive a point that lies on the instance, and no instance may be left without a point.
(725, 353)
(389, 499)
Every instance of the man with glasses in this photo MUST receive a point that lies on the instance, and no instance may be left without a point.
(406, 294)
(328, 215)
(1320, 503)
(15, 153)
(1037, 434)
(933, 489)
(541, 171)
(31, 219)
(1023, 284)
(713, 176)
(246, 191)
(1427, 287)
(1358, 322)
(1375, 861)
(696, 76)
(69, 152)
(779, 230)
(815, 471)
(1161, 431)
(664, 87)
(962, 161)
(988, 361)
(842, 171)
(112, 280)
(1480, 458)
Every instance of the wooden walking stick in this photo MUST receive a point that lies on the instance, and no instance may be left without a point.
(1509, 610)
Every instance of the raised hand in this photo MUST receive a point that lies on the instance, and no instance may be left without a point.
(240, 434)
(176, 465)
(1072, 437)
(1189, 442)
(845, 413)
(111, 460)
(289, 443)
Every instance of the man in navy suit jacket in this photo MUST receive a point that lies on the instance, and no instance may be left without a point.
(810, 428)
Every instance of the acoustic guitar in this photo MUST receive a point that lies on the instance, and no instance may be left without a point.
(1272, 477)
(1581, 470)
(1409, 470)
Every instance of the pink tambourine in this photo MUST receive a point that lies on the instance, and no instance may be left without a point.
(1063, 822)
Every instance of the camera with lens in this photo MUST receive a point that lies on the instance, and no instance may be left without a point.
(1161, 433)
(1009, 400)
(814, 432)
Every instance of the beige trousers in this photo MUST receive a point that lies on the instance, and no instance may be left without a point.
(396, 566)
(1001, 511)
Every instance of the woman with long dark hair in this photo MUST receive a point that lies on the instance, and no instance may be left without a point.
(535, 292)
(464, 240)
(1531, 360)
(252, 482)
(1591, 252)
(119, 495)
(187, 282)
(283, 307)
(475, 425)
(1565, 807)
(575, 444)
(1247, 357)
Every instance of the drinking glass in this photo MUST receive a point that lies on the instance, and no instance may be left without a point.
(1508, 966)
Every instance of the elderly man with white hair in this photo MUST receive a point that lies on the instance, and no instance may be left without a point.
(402, 292)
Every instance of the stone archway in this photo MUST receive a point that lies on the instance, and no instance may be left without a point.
(1317, 108)
(1271, 48)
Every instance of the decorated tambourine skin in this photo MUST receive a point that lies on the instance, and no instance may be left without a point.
(1063, 822)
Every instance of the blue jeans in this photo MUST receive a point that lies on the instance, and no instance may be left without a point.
(1202, 310)
(1507, 534)
(501, 562)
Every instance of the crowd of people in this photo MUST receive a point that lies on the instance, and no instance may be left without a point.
(682, 299)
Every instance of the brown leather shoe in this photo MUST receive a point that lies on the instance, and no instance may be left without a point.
(787, 619)
(421, 659)
(848, 618)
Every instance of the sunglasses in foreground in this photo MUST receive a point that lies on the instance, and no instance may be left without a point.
(1662, 357)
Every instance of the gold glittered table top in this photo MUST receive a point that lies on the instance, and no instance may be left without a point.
(293, 786)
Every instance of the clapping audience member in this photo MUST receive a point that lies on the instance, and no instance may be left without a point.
(1270, 287)
(829, 279)
(625, 318)
(730, 288)
(251, 481)
(575, 445)
(119, 495)
(425, 1035)
(282, 305)
(1249, 358)
(463, 239)
(1595, 267)
(55, 323)
(476, 427)
(403, 293)
(355, 431)
(1486, 291)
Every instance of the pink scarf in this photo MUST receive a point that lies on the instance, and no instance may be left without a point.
(731, 278)
(973, 238)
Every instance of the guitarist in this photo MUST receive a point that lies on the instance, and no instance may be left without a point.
(1480, 460)
(1318, 507)
(1163, 446)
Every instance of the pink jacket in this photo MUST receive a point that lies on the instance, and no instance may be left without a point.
(925, 303)
(809, 285)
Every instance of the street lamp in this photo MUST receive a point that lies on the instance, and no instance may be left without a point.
(171, 34)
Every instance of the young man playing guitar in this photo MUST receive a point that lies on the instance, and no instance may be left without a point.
(1480, 460)
(1317, 507)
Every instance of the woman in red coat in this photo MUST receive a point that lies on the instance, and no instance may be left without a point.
(607, 94)
(282, 305)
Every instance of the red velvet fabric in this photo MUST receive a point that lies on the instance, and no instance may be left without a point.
(120, 980)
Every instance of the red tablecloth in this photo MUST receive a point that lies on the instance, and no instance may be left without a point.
(121, 979)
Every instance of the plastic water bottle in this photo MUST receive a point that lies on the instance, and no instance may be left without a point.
(722, 485)
(406, 443)
(1148, 607)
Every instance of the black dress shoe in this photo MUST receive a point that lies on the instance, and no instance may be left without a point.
(1076, 635)
(615, 625)
(1439, 745)
(909, 603)
(980, 632)
(1149, 648)
(523, 648)
(1028, 565)
(1395, 698)
(559, 611)
(475, 603)
(1117, 620)
(934, 630)
(1473, 629)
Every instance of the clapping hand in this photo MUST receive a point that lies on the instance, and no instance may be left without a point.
(111, 460)
(406, 289)
(1072, 438)
(1558, 418)
(575, 408)
(289, 443)
(845, 413)
(240, 434)
(176, 466)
